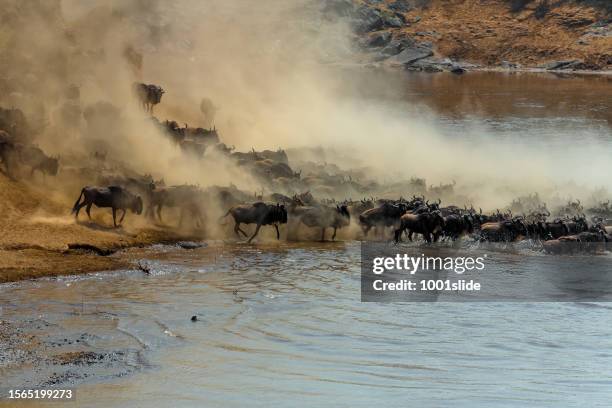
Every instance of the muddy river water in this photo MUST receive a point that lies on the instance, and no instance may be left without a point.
(281, 324)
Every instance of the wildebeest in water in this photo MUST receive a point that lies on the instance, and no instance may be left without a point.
(114, 197)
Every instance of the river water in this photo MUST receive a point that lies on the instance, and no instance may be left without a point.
(281, 324)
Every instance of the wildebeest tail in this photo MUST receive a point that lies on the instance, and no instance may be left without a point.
(76, 204)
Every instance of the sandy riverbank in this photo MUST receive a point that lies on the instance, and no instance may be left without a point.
(39, 237)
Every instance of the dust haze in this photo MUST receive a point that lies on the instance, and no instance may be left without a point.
(278, 74)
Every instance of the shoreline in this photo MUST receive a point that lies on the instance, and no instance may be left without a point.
(27, 262)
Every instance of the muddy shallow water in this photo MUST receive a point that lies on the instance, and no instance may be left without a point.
(283, 324)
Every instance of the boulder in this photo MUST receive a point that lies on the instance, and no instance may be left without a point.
(433, 64)
(400, 5)
(379, 39)
(368, 19)
(392, 20)
(410, 55)
(567, 64)
(508, 65)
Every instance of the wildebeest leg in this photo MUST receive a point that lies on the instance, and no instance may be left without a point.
(398, 234)
(76, 215)
(159, 208)
(410, 235)
(277, 232)
(115, 217)
(122, 216)
(427, 237)
(255, 233)
(238, 229)
(334, 234)
(322, 234)
(88, 210)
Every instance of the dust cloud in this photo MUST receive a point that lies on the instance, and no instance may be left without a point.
(277, 74)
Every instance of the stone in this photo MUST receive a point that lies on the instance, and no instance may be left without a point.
(379, 39)
(401, 6)
(368, 19)
(410, 55)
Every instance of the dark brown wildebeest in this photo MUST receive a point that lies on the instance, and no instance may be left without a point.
(386, 215)
(258, 213)
(505, 231)
(456, 225)
(187, 198)
(36, 159)
(322, 216)
(149, 95)
(8, 153)
(114, 197)
(427, 224)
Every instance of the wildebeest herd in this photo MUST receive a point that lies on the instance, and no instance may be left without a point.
(378, 219)
(382, 219)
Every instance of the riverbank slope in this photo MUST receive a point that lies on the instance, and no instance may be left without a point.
(517, 34)
(39, 237)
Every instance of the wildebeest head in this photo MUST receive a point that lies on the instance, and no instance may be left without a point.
(437, 217)
(343, 210)
(468, 219)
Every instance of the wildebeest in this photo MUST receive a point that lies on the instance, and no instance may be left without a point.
(36, 159)
(386, 215)
(149, 95)
(114, 197)
(14, 154)
(187, 198)
(456, 225)
(551, 230)
(426, 224)
(258, 213)
(587, 241)
(8, 153)
(506, 231)
(323, 216)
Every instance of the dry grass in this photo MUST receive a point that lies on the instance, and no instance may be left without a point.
(487, 32)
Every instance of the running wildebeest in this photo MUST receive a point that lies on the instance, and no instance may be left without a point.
(324, 217)
(386, 215)
(188, 198)
(37, 160)
(149, 95)
(427, 224)
(503, 231)
(456, 225)
(258, 213)
(114, 197)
